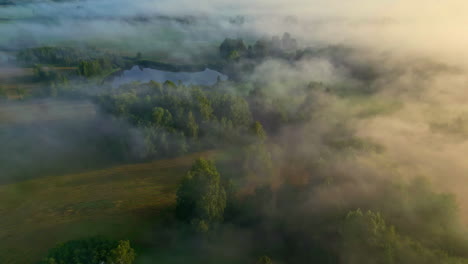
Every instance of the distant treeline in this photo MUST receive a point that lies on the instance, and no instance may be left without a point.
(64, 56)
(240, 59)
(279, 47)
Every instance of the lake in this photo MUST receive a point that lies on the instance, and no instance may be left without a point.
(136, 74)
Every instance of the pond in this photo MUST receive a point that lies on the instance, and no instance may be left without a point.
(144, 75)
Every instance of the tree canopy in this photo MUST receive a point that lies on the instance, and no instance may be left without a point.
(94, 250)
(201, 198)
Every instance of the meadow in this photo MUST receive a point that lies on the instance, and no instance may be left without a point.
(118, 202)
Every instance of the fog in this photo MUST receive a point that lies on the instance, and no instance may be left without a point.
(412, 117)
(416, 26)
(397, 39)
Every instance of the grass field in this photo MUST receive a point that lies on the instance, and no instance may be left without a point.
(24, 113)
(10, 73)
(14, 79)
(120, 202)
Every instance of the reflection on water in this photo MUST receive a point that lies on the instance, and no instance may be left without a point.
(206, 77)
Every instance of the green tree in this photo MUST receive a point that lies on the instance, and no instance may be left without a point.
(234, 55)
(259, 132)
(92, 68)
(162, 117)
(231, 47)
(203, 104)
(122, 254)
(40, 73)
(234, 108)
(201, 198)
(155, 87)
(94, 250)
(264, 260)
(192, 126)
(169, 85)
(367, 238)
(261, 48)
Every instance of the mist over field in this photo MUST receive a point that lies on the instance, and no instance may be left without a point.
(338, 136)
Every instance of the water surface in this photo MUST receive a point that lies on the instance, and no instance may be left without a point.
(144, 75)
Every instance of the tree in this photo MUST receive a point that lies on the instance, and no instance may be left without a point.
(88, 68)
(234, 55)
(261, 48)
(288, 43)
(94, 250)
(203, 104)
(259, 132)
(234, 108)
(162, 117)
(231, 47)
(367, 238)
(39, 73)
(92, 68)
(155, 86)
(169, 85)
(264, 260)
(122, 254)
(201, 198)
(192, 126)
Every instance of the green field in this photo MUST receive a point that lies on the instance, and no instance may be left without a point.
(120, 202)
(16, 79)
